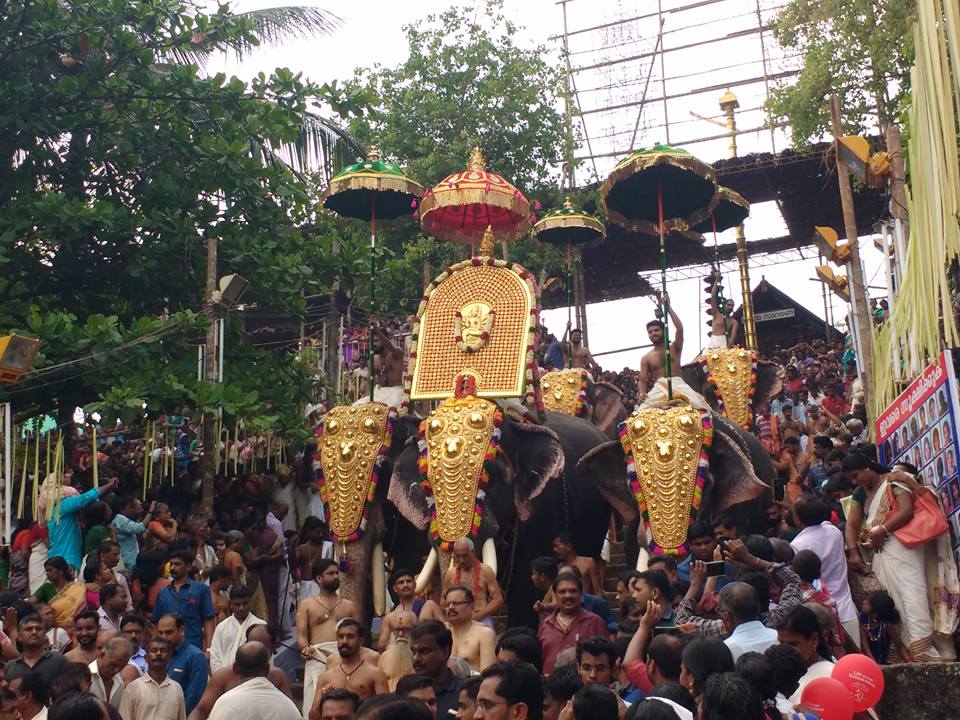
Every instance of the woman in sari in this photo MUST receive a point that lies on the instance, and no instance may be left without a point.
(65, 596)
(901, 570)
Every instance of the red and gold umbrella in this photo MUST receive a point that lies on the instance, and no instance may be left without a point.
(462, 206)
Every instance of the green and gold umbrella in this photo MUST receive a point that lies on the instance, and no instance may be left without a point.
(568, 227)
(371, 190)
(653, 191)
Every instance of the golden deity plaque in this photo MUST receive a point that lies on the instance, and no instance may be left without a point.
(564, 391)
(477, 314)
(353, 441)
(457, 437)
(733, 372)
(665, 444)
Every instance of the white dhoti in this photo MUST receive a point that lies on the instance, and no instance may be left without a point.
(313, 668)
(717, 342)
(391, 396)
(658, 394)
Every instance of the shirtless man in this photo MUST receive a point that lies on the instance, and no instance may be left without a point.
(566, 555)
(404, 587)
(316, 620)
(86, 627)
(473, 642)
(226, 679)
(581, 355)
(314, 546)
(653, 366)
(353, 673)
(723, 327)
(388, 361)
(469, 572)
(396, 660)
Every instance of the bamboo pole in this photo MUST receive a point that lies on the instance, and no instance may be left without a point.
(23, 478)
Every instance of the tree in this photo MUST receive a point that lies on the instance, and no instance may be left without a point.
(117, 162)
(860, 49)
(465, 82)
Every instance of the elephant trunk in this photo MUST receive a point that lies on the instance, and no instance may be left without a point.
(354, 584)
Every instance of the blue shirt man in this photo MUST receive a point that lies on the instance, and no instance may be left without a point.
(188, 665)
(188, 598)
(65, 538)
(128, 532)
(555, 355)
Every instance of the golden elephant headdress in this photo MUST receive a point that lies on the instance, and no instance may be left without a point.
(474, 333)
(667, 463)
(733, 373)
(565, 391)
(353, 444)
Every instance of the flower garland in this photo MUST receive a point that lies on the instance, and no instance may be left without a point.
(721, 407)
(703, 467)
(374, 480)
(423, 465)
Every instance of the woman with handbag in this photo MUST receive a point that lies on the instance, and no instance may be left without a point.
(884, 503)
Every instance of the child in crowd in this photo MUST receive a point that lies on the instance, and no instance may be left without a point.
(880, 619)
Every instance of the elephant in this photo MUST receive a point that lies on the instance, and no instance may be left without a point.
(534, 492)
(738, 482)
(607, 410)
(386, 531)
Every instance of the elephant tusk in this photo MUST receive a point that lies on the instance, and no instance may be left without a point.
(643, 559)
(489, 554)
(429, 567)
(379, 583)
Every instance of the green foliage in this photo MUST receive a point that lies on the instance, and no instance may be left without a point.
(465, 82)
(117, 162)
(860, 49)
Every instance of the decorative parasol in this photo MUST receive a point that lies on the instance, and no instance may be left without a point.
(568, 227)
(731, 210)
(463, 205)
(651, 188)
(367, 191)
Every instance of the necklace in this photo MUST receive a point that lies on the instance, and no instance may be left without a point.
(328, 610)
(349, 675)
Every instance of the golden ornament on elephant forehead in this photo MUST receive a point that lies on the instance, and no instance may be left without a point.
(456, 440)
(475, 319)
(665, 449)
(352, 447)
(733, 372)
(564, 391)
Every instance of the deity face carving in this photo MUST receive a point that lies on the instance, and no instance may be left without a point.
(476, 322)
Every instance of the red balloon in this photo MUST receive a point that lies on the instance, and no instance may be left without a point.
(862, 678)
(828, 698)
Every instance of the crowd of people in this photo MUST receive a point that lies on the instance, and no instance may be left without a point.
(122, 600)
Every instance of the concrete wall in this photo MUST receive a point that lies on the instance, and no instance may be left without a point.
(920, 691)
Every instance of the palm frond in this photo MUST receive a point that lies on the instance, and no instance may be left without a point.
(322, 147)
(274, 26)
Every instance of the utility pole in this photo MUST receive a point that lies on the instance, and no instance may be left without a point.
(858, 298)
(729, 105)
(207, 459)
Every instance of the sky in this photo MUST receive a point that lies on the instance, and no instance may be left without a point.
(371, 32)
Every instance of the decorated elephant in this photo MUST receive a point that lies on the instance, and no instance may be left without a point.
(531, 491)
(357, 451)
(734, 382)
(674, 464)
(573, 392)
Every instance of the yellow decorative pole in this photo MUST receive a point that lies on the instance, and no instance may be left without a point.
(729, 104)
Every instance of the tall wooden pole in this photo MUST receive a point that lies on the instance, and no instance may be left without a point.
(207, 469)
(858, 295)
(729, 104)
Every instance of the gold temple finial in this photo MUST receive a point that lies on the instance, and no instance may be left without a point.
(567, 203)
(487, 242)
(477, 162)
(373, 154)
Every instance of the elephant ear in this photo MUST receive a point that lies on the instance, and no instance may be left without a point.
(405, 491)
(769, 382)
(732, 465)
(537, 458)
(605, 467)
